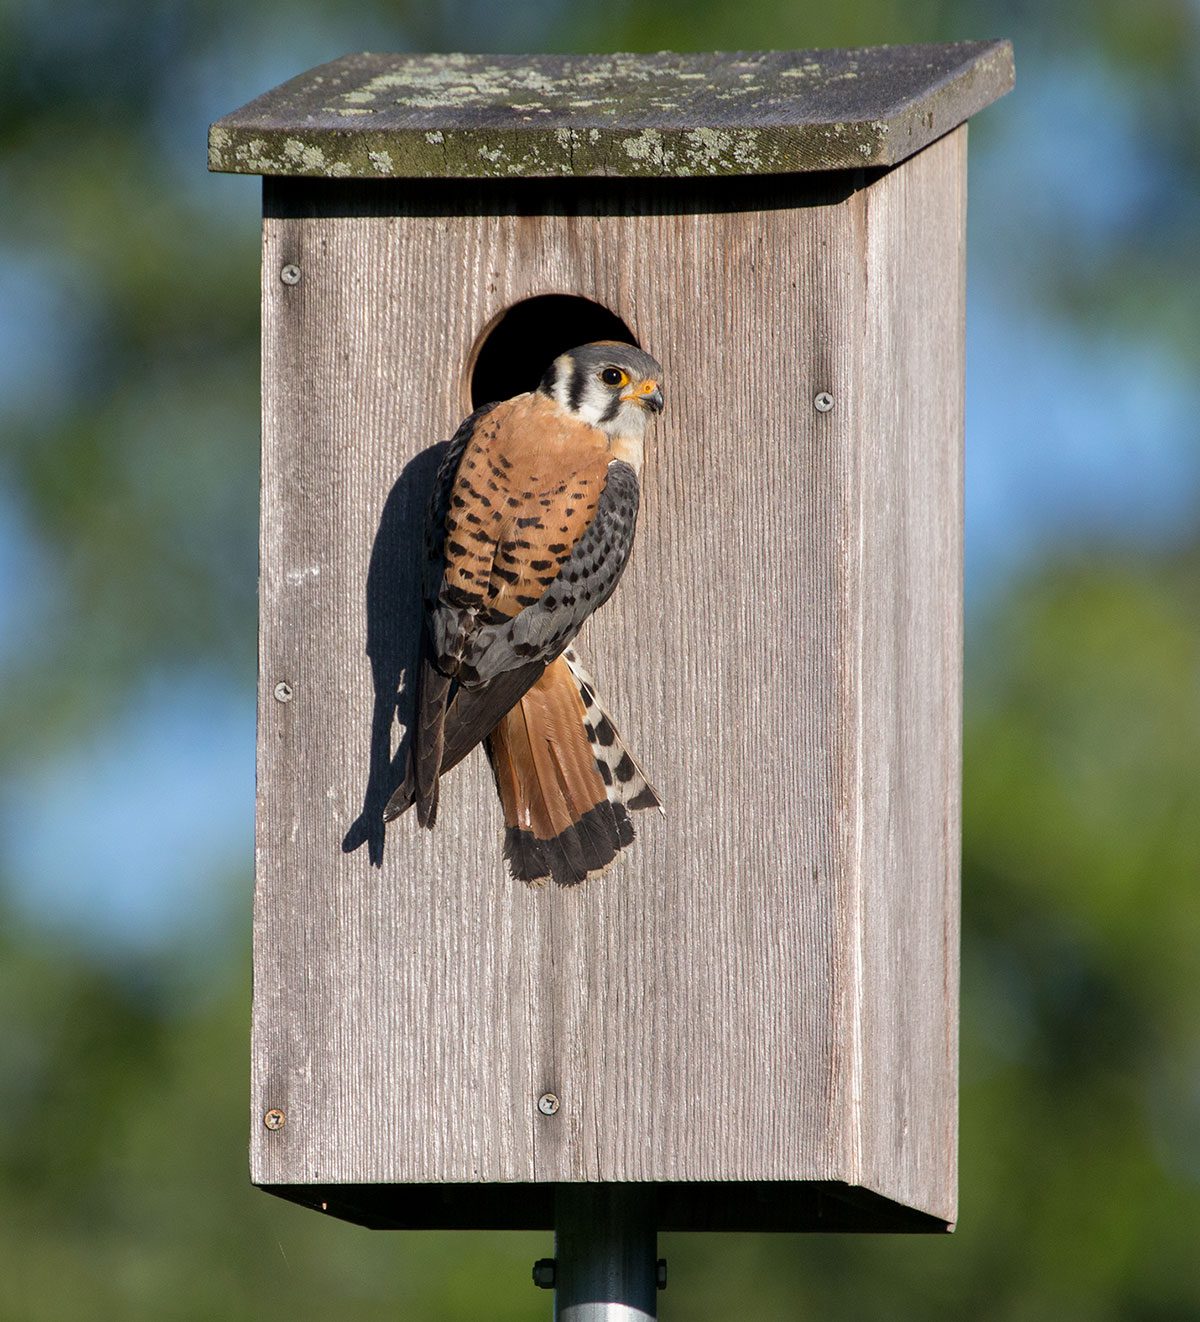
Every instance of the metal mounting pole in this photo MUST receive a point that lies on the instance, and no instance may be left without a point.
(606, 1253)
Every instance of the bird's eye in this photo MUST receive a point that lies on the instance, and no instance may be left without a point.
(613, 376)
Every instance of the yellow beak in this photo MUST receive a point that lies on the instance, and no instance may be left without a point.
(648, 393)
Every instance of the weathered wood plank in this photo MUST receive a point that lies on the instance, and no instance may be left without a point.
(735, 1000)
(504, 116)
(910, 592)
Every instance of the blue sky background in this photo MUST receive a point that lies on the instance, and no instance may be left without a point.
(1076, 433)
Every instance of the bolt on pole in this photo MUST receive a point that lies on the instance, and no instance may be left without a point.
(606, 1266)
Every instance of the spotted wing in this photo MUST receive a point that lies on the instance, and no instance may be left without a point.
(440, 502)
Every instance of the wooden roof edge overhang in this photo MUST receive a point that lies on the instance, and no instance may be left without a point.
(664, 115)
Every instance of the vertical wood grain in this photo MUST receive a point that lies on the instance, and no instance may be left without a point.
(739, 997)
(910, 617)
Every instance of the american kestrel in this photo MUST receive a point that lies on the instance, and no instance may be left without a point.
(529, 528)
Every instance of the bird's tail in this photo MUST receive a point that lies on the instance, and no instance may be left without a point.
(566, 780)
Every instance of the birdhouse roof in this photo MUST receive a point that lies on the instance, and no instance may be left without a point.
(371, 116)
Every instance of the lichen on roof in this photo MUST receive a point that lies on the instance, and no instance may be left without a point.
(495, 116)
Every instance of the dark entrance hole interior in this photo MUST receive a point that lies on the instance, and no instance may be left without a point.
(530, 336)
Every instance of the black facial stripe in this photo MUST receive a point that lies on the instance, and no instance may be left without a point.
(549, 380)
(578, 381)
(611, 411)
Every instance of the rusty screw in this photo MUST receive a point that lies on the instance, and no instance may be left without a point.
(290, 274)
(274, 1118)
(548, 1103)
(823, 402)
(283, 691)
(545, 1271)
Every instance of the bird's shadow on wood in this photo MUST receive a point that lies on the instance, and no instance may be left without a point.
(394, 623)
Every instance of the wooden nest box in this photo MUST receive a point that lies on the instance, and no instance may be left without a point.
(755, 1008)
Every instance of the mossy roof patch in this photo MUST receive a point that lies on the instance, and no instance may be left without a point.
(501, 117)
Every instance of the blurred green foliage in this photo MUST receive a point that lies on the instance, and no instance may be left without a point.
(130, 464)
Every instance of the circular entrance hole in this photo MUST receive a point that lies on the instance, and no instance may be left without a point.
(523, 341)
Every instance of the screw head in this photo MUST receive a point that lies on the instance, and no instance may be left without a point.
(290, 274)
(660, 1273)
(274, 1118)
(283, 691)
(548, 1103)
(545, 1271)
(823, 402)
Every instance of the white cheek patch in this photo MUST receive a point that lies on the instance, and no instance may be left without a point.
(594, 404)
(562, 383)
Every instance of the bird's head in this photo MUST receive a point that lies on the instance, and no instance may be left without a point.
(614, 386)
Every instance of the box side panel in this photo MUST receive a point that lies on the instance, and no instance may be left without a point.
(911, 650)
(689, 1007)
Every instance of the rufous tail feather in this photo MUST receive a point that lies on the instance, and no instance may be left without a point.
(565, 779)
